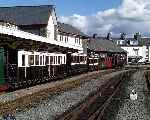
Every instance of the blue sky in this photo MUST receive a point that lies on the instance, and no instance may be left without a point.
(68, 7)
(99, 16)
(83, 7)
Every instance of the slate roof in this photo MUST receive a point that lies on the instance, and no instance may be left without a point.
(69, 29)
(26, 15)
(102, 44)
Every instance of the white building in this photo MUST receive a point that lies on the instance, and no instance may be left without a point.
(67, 34)
(138, 53)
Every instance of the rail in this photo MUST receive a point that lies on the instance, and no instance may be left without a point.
(94, 106)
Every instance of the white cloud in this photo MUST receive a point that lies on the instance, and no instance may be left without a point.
(131, 16)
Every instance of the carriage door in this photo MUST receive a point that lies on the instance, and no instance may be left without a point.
(2, 65)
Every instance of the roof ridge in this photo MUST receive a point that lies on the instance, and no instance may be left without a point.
(27, 6)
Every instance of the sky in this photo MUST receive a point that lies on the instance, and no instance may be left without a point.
(99, 16)
(68, 7)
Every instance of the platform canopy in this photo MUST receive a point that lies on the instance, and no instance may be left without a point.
(16, 42)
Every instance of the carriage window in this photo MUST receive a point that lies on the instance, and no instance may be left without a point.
(47, 60)
(78, 59)
(85, 59)
(51, 59)
(40, 60)
(23, 60)
(81, 59)
(59, 59)
(73, 59)
(90, 61)
(95, 60)
(36, 59)
(56, 59)
(64, 59)
(31, 59)
(43, 60)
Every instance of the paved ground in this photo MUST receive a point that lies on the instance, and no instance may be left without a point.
(122, 108)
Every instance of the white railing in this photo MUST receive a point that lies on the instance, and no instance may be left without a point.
(26, 35)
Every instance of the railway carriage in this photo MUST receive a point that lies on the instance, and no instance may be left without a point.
(20, 68)
(94, 61)
(78, 63)
(26, 68)
(39, 67)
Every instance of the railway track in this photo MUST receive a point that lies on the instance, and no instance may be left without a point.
(22, 99)
(95, 104)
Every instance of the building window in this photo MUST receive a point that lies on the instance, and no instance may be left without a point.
(23, 60)
(79, 41)
(146, 47)
(76, 40)
(146, 55)
(43, 32)
(61, 37)
(66, 39)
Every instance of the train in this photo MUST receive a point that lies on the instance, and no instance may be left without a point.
(22, 68)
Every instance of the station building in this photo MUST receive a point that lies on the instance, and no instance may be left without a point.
(36, 48)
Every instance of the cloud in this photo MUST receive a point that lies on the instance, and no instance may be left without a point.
(130, 17)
